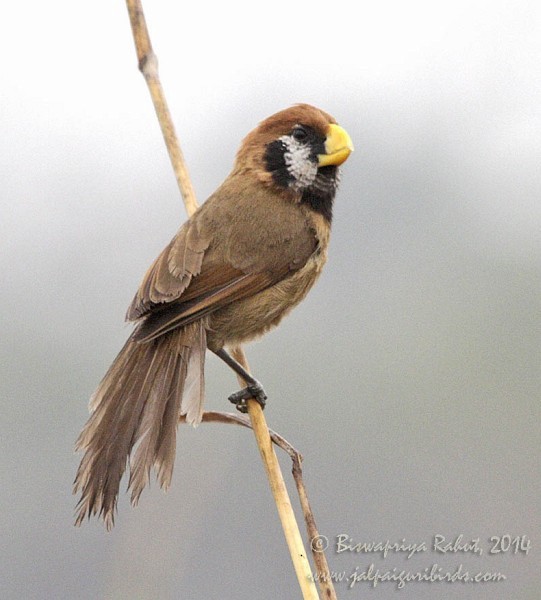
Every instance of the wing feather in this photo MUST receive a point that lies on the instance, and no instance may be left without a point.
(181, 313)
(171, 273)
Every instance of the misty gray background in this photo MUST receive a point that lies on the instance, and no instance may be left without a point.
(409, 378)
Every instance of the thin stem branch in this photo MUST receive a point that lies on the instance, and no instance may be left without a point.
(318, 552)
(211, 416)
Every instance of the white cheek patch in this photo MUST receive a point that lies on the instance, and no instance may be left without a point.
(297, 159)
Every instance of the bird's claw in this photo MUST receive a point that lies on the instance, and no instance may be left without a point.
(255, 391)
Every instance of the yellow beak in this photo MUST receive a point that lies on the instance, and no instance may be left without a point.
(338, 146)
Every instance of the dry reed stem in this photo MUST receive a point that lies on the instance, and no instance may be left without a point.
(148, 65)
(322, 568)
(279, 490)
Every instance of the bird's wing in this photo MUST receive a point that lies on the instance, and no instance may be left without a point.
(217, 258)
(171, 273)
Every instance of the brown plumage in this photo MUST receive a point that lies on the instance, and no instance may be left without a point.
(247, 256)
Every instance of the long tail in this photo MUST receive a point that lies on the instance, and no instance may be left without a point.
(134, 415)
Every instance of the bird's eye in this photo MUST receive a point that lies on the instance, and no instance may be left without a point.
(299, 134)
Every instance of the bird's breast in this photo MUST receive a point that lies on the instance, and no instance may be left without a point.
(252, 317)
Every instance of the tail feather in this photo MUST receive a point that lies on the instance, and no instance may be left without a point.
(150, 423)
(192, 397)
(167, 390)
(195, 380)
(166, 442)
(107, 437)
(134, 415)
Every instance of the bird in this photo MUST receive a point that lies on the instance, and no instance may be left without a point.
(235, 268)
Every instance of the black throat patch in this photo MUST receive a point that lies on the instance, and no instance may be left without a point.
(276, 165)
(320, 196)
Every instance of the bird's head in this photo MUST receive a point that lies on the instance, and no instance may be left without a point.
(297, 151)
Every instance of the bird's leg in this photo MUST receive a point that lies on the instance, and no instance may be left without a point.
(253, 390)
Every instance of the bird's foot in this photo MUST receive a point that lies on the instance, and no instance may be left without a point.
(254, 390)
